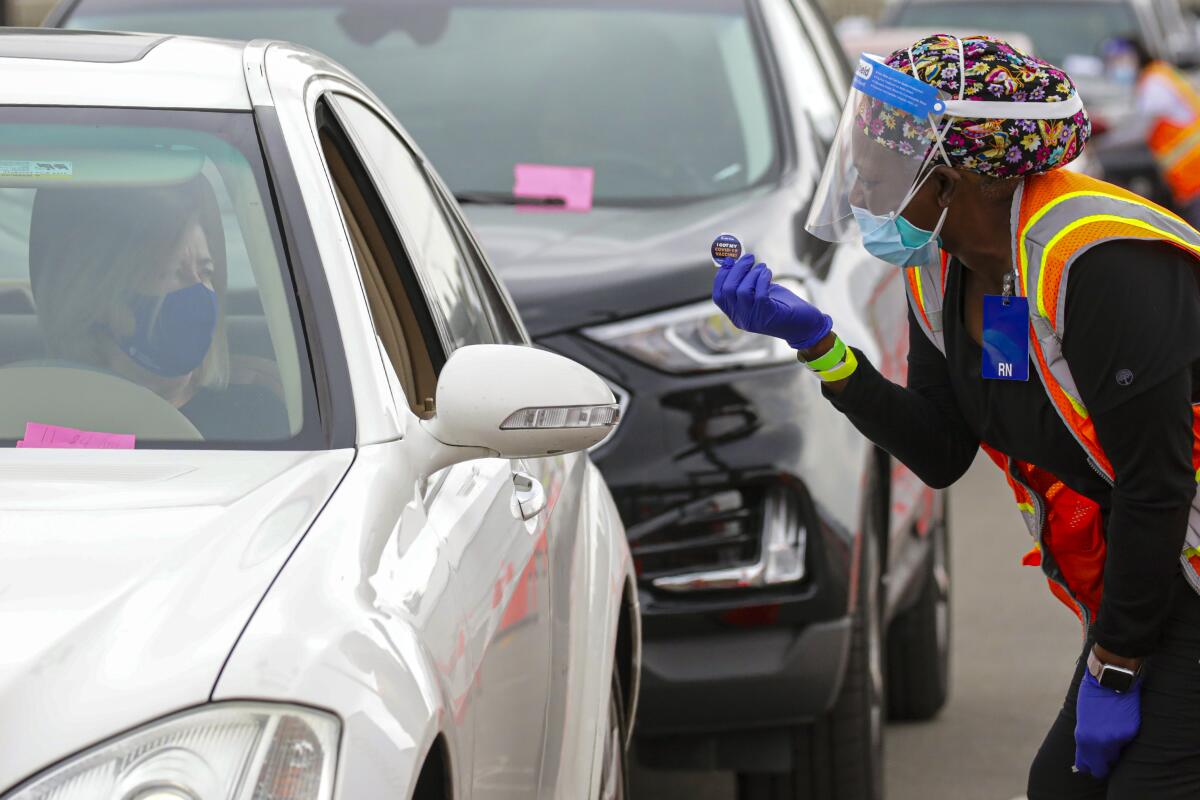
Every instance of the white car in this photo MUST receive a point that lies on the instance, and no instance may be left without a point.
(298, 513)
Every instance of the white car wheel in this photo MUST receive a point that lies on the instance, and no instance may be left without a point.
(614, 779)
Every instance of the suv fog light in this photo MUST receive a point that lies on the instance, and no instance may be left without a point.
(562, 417)
(780, 560)
(784, 539)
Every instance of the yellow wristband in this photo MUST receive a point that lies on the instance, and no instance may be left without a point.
(830, 359)
(841, 371)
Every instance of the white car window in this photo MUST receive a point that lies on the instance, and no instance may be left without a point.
(799, 57)
(407, 333)
(445, 273)
(144, 289)
(505, 322)
(828, 47)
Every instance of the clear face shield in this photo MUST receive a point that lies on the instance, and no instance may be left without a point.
(889, 141)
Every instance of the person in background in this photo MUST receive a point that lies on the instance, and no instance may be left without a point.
(132, 281)
(1167, 118)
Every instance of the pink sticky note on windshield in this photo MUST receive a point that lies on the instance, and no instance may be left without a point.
(573, 185)
(39, 435)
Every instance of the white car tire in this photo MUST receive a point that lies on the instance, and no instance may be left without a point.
(614, 776)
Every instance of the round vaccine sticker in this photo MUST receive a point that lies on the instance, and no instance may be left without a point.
(726, 246)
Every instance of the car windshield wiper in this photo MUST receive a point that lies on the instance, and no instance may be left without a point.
(505, 199)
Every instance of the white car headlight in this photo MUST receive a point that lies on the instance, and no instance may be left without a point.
(695, 338)
(234, 751)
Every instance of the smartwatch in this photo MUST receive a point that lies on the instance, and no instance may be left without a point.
(1110, 676)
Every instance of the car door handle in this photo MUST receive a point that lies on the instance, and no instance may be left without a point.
(529, 496)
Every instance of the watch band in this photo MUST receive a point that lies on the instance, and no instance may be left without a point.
(1098, 668)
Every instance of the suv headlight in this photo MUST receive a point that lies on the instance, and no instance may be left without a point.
(234, 751)
(695, 338)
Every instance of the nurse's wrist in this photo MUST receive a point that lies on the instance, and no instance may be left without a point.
(830, 360)
(817, 350)
(1107, 656)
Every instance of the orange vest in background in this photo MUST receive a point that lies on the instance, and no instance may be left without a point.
(1062, 214)
(1176, 148)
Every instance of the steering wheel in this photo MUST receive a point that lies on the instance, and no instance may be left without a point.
(79, 397)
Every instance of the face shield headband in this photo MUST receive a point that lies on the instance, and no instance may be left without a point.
(891, 137)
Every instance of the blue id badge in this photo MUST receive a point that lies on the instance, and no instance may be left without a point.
(1005, 338)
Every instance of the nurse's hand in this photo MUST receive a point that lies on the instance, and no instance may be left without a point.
(743, 290)
(1105, 721)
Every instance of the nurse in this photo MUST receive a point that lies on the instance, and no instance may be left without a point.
(948, 164)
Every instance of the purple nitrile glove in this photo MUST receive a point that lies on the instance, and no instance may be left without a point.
(1105, 721)
(743, 290)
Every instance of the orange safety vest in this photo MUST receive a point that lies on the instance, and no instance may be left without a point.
(1057, 217)
(1176, 148)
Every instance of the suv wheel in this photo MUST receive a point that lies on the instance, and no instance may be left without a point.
(840, 757)
(919, 641)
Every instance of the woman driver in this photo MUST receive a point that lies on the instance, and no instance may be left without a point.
(132, 281)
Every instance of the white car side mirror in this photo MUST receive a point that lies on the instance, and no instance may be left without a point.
(520, 402)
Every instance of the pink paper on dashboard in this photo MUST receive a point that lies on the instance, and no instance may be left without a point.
(540, 181)
(40, 435)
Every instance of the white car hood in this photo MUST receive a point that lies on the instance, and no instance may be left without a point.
(126, 578)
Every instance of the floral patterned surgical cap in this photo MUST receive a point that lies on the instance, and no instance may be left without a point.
(995, 70)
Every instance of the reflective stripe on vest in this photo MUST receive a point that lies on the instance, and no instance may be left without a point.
(926, 289)
(1062, 216)
(1056, 218)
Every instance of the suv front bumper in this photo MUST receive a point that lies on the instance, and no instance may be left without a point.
(693, 468)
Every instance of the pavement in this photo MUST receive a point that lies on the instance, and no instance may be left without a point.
(1013, 652)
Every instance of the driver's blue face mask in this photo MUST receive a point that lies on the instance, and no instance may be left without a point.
(173, 333)
(892, 238)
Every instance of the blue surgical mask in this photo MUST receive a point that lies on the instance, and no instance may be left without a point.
(1124, 74)
(894, 239)
(173, 333)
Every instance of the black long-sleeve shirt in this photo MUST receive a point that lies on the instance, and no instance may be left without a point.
(1132, 308)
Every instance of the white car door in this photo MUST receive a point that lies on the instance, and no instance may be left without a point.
(499, 559)
(573, 533)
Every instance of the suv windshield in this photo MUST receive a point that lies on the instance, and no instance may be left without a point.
(144, 295)
(665, 100)
(1058, 30)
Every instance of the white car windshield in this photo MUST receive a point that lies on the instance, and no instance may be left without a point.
(145, 299)
(682, 112)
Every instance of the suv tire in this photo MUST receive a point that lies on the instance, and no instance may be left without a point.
(918, 640)
(840, 756)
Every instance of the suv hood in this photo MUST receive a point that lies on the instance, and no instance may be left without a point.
(125, 580)
(567, 270)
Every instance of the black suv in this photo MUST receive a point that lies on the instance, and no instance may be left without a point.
(776, 547)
